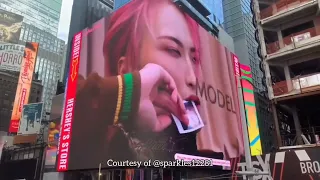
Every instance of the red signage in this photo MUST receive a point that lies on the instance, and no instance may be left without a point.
(66, 124)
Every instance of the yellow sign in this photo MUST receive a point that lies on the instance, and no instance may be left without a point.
(251, 111)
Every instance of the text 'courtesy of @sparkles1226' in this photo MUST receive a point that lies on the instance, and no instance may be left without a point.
(160, 163)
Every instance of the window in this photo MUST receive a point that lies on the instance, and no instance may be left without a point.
(297, 28)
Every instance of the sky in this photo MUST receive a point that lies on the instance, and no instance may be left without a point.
(65, 17)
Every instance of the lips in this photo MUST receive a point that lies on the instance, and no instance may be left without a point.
(194, 98)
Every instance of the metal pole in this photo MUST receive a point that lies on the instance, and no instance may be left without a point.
(276, 124)
(99, 175)
(314, 135)
(245, 130)
(297, 124)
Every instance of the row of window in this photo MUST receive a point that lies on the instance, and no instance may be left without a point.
(48, 65)
(35, 11)
(32, 18)
(46, 41)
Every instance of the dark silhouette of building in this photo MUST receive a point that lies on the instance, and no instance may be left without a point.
(60, 88)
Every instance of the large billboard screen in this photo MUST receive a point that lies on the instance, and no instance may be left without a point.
(251, 110)
(129, 76)
(24, 84)
(246, 81)
(10, 27)
(11, 56)
(30, 122)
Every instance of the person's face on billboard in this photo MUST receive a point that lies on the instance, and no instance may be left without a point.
(169, 44)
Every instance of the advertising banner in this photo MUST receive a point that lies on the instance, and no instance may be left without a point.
(244, 72)
(129, 76)
(10, 27)
(11, 56)
(251, 111)
(302, 164)
(31, 117)
(24, 84)
(54, 130)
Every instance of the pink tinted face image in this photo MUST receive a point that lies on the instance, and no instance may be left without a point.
(170, 45)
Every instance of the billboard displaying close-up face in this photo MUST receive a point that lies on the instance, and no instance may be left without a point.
(148, 83)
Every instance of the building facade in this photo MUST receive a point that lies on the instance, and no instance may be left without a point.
(215, 12)
(31, 33)
(214, 6)
(49, 62)
(238, 24)
(8, 87)
(288, 32)
(216, 9)
(40, 24)
(108, 3)
(44, 14)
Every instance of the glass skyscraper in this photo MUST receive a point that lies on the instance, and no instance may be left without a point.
(214, 6)
(216, 9)
(49, 60)
(40, 24)
(44, 14)
(109, 3)
(238, 24)
(120, 3)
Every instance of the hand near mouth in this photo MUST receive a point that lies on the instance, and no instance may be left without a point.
(153, 78)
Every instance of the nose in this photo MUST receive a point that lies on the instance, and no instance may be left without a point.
(190, 75)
